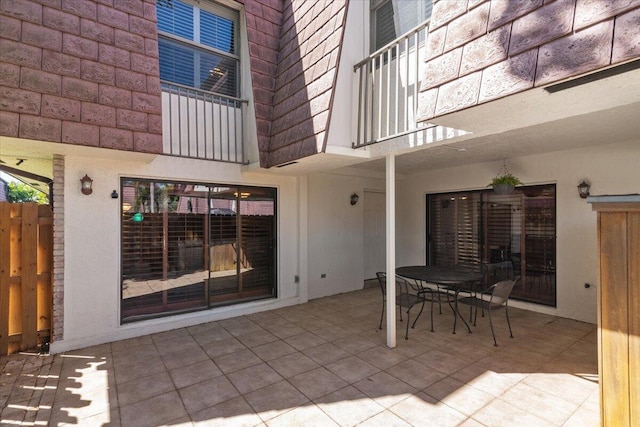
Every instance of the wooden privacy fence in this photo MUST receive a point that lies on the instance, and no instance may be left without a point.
(26, 265)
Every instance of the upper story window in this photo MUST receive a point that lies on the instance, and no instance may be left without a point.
(198, 45)
(391, 19)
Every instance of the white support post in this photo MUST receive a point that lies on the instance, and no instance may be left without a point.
(391, 248)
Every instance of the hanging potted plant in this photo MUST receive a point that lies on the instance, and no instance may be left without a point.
(505, 182)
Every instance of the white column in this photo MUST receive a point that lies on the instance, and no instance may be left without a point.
(391, 248)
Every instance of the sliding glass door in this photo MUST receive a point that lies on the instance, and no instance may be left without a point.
(189, 246)
(504, 235)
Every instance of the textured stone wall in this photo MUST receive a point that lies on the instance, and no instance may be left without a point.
(309, 52)
(480, 50)
(81, 72)
(264, 23)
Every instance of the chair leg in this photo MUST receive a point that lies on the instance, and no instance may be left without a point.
(382, 315)
(495, 343)
(506, 312)
(431, 314)
(414, 322)
(406, 334)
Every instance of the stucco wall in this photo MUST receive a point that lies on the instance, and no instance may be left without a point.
(611, 169)
(92, 246)
(336, 233)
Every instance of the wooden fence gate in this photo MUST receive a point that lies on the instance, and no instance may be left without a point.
(26, 271)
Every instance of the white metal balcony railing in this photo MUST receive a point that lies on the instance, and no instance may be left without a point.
(202, 125)
(387, 84)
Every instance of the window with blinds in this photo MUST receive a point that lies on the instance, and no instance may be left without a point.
(188, 246)
(197, 46)
(504, 235)
(391, 19)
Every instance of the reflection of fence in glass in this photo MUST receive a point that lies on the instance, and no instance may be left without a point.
(202, 125)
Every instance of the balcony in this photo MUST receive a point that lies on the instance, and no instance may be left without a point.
(388, 84)
(202, 125)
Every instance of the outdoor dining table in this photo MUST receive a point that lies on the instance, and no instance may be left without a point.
(447, 278)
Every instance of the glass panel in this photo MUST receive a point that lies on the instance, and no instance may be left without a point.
(509, 234)
(189, 65)
(176, 62)
(162, 249)
(393, 18)
(257, 218)
(217, 32)
(215, 73)
(539, 260)
(503, 220)
(175, 17)
(182, 248)
(223, 249)
(454, 230)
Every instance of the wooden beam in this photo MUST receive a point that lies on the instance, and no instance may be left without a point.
(633, 221)
(5, 250)
(614, 319)
(29, 275)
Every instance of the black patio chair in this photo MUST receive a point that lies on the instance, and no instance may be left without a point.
(493, 298)
(382, 281)
(408, 295)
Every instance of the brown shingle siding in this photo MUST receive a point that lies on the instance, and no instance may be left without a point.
(66, 61)
(312, 34)
(548, 41)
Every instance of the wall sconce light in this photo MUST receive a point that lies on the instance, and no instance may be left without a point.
(114, 194)
(85, 185)
(354, 199)
(583, 189)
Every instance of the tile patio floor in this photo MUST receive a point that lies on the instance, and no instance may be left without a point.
(322, 363)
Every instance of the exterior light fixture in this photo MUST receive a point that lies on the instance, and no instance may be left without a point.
(354, 199)
(583, 189)
(85, 185)
(114, 194)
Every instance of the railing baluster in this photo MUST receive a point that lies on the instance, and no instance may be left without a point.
(180, 122)
(242, 107)
(194, 124)
(220, 127)
(406, 87)
(415, 86)
(228, 133)
(204, 123)
(397, 86)
(371, 70)
(375, 75)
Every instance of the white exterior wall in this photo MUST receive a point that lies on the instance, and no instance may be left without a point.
(611, 169)
(335, 228)
(92, 246)
(336, 233)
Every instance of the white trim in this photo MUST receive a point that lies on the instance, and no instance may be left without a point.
(391, 249)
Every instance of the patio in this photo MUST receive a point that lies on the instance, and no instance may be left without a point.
(321, 363)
